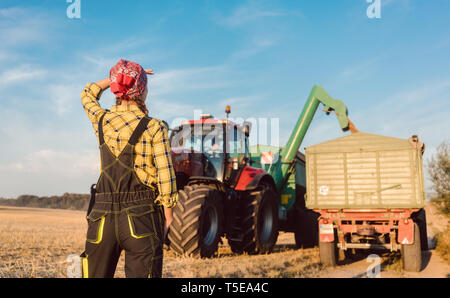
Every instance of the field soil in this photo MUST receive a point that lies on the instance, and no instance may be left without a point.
(36, 242)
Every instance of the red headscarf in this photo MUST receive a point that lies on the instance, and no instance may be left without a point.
(127, 80)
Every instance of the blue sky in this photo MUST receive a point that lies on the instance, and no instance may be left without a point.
(261, 57)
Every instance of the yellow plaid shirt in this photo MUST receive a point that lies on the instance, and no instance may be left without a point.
(153, 163)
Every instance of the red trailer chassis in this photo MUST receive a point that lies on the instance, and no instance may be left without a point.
(367, 228)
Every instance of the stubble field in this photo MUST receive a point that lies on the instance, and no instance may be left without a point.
(37, 242)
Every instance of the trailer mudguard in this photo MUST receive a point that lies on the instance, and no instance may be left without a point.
(405, 231)
(326, 230)
(251, 178)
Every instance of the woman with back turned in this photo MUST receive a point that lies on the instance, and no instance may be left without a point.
(136, 188)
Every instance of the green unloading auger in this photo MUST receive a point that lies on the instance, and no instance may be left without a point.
(282, 169)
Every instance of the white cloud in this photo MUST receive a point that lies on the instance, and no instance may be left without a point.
(7, 56)
(361, 70)
(403, 3)
(252, 11)
(171, 98)
(418, 110)
(64, 97)
(100, 62)
(21, 74)
(182, 80)
(245, 14)
(241, 101)
(254, 46)
(46, 157)
(435, 91)
(23, 26)
(240, 105)
(166, 109)
(12, 12)
(139, 49)
(49, 172)
(263, 24)
(50, 163)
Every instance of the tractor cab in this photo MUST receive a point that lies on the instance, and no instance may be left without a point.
(218, 191)
(209, 147)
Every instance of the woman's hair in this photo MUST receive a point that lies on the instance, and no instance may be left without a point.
(140, 102)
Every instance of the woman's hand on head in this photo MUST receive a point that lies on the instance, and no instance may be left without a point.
(103, 84)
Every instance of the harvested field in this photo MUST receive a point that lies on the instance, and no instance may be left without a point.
(36, 243)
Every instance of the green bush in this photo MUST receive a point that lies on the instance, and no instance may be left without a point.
(439, 170)
(443, 245)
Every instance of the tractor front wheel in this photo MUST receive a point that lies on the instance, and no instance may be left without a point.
(257, 222)
(197, 221)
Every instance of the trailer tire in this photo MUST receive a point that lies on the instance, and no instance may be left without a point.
(306, 233)
(257, 222)
(420, 218)
(328, 253)
(412, 253)
(197, 223)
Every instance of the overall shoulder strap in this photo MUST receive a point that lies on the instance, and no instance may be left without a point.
(101, 140)
(139, 130)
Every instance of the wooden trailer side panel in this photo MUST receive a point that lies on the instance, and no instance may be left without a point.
(364, 171)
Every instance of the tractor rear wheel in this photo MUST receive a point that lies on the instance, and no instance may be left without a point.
(197, 223)
(257, 222)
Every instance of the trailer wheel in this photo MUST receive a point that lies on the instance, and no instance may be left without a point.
(197, 221)
(328, 253)
(306, 232)
(421, 219)
(257, 222)
(412, 253)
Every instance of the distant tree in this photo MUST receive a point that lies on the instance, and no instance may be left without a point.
(439, 170)
(66, 201)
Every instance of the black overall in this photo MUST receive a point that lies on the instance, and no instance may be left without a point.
(124, 216)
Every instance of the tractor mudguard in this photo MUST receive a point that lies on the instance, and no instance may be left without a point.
(207, 180)
(182, 179)
(252, 177)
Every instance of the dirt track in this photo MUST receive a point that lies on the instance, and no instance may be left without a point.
(433, 265)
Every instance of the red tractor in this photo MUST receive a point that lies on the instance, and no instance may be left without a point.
(223, 191)
(220, 193)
